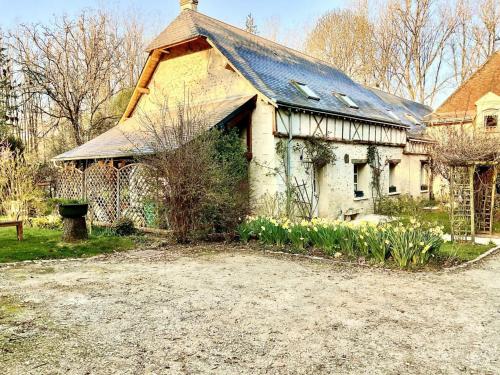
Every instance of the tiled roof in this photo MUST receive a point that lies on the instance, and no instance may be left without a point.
(132, 137)
(485, 79)
(270, 67)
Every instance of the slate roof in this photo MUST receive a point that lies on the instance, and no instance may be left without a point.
(270, 67)
(132, 137)
(401, 107)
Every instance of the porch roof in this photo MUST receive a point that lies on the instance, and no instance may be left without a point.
(133, 137)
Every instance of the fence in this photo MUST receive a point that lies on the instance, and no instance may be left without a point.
(112, 193)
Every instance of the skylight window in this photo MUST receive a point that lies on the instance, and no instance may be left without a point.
(392, 114)
(306, 90)
(412, 119)
(347, 100)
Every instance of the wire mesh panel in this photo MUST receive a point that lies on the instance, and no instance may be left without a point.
(137, 195)
(101, 185)
(70, 183)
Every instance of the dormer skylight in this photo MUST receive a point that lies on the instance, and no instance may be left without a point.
(306, 90)
(412, 119)
(346, 100)
(392, 114)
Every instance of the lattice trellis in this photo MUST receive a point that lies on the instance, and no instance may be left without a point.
(136, 195)
(113, 193)
(101, 186)
(472, 199)
(70, 183)
(460, 195)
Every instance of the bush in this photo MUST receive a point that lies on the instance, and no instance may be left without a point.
(413, 244)
(46, 222)
(402, 205)
(124, 227)
(203, 172)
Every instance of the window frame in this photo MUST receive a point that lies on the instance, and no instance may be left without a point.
(392, 176)
(347, 100)
(424, 172)
(392, 114)
(356, 177)
(485, 123)
(305, 90)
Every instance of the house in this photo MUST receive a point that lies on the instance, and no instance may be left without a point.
(475, 104)
(271, 93)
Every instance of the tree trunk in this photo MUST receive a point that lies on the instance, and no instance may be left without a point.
(74, 229)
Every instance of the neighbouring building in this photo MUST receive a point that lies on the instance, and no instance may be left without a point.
(271, 93)
(473, 107)
(475, 104)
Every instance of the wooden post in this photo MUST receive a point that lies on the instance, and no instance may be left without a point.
(493, 196)
(472, 170)
(452, 204)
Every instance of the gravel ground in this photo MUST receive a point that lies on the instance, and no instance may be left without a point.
(237, 311)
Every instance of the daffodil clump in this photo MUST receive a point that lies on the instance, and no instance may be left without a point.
(405, 244)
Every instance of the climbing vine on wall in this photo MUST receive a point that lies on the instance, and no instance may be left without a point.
(318, 152)
(377, 166)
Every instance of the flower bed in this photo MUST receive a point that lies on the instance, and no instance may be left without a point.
(407, 245)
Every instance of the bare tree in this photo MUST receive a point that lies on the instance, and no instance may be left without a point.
(75, 65)
(133, 46)
(250, 25)
(344, 38)
(203, 171)
(459, 146)
(487, 34)
(465, 50)
(421, 30)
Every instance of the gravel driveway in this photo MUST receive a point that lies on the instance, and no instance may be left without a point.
(238, 311)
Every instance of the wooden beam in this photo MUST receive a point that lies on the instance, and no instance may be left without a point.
(143, 90)
(472, 170)
(452, 203)
(493, 197)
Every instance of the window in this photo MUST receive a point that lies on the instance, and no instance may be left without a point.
(412, 119)
(490, 122)
(306, 90)
(392, 178)
(424, 176)
(359, 180)
(356, 177)
(347, 100)
(392, 114)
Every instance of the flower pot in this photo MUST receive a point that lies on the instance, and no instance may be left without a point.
(359, 194)
(73, 211)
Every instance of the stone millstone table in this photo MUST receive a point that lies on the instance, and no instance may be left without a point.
(74, 225)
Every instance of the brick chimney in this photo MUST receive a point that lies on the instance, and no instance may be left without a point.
(189, 4)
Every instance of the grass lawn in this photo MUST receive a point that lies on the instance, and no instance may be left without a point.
(441, 218)
(46, 244)
(463, 251)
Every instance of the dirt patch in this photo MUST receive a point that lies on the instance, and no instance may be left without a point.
(220, 309)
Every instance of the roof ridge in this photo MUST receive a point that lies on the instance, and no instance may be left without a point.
(268, 40)
(397, 96)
